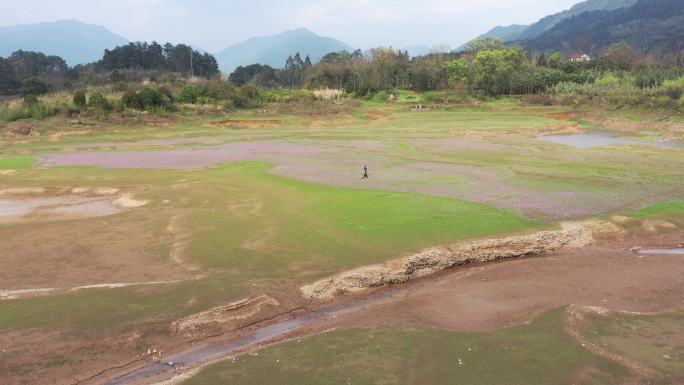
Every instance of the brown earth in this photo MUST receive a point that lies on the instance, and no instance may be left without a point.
(469, 298)
(496, 295)
(113, 249)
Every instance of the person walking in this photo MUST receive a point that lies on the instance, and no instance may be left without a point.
(365, 172)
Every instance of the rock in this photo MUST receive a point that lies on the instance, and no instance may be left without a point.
(429, 261)
(222, 315)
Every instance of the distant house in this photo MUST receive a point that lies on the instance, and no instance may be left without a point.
(579, 58)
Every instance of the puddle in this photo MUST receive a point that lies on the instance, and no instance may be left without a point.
(213, 352)
(676, 250)
(60, 207)
(594, 139)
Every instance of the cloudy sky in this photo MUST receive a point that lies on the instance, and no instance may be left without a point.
(216, 24)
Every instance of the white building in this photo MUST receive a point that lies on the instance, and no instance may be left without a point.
(579, 58)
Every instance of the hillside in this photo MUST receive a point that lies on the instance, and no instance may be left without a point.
(518, 32)
(274, 50)
(505, 33)
(75, 42)
(550, 21)
(650, 24)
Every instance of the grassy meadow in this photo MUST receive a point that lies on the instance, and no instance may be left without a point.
(263, 202)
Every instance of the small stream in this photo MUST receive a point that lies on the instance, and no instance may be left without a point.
(676, 250)
(216, 351)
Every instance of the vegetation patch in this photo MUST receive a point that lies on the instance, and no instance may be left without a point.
(539, 353)
(17, 163)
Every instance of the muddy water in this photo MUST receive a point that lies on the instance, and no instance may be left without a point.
(64, 206)
(594, 139)
(206, 354)
(677, 250)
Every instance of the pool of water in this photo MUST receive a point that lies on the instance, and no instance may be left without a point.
(676, 250)
(594, 139)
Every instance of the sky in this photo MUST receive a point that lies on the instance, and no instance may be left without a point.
(214, 24)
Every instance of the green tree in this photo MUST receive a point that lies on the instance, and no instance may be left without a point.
(541, 60)
(487, 44)
(34, 86)
(9, 84)
(555, 60)
(458, 72)
(494, 70)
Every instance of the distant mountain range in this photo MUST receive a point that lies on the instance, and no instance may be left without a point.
(75, 42)
(274, 50)
(587, 26)
(518, 32)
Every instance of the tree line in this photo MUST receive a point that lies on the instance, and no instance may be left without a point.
(485, 68)
(35, 73)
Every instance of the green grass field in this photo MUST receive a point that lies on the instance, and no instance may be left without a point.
(654, 340)
(539, 353)
(244, 227)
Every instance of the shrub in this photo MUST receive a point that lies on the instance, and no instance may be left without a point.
(248, 97)
(30, 100)
(202, 100)
(130, 100)
(31, 107)
(168, 95)
(189, 93)
(80, 99)
(539, 99)
(99, 102)
(674, 88)
(219, 90)
(663, 102)
(150, 98)
(41, 111)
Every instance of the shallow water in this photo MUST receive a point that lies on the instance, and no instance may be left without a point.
(676, 250)
(262, 335)
(594, 139)
(62, 206)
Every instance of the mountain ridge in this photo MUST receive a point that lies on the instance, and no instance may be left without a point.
(76, 42)
(273, 50)
(518, 32)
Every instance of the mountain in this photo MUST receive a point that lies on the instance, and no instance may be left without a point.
(505, 33)
(549, 22)
(649, 24)
(274, 50)
(518, 32)
(75, 42)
